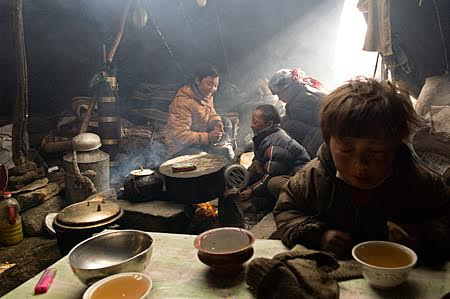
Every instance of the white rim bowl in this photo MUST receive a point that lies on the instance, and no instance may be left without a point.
(90, 291)
(392, 244)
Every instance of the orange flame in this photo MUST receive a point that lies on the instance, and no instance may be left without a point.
(207, 209)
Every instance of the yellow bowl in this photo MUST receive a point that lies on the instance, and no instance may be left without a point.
(130, 285)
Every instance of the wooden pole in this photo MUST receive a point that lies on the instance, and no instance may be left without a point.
(119, 33)
(19, 147)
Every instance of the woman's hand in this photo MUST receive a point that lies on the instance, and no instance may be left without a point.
(214, 136)
(336, 242)
(218, 127)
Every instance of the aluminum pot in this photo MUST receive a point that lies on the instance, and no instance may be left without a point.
(201, 184)
(80, 221)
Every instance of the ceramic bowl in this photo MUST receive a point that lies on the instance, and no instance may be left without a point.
(384, 264)
(225, 249)
(130, 285)
(111, 253)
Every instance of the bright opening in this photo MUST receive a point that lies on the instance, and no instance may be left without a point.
(350, 59)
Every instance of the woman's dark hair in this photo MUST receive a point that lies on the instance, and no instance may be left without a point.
(367, 108)
(269, 113)
(206, 70)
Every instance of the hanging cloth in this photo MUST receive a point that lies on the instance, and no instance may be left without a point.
(378, 35)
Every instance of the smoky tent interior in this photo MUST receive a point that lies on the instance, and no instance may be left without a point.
(165, 116)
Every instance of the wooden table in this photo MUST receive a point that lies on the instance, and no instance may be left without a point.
(177, 273)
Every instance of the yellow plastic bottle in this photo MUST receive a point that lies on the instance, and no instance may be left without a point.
(10, 221)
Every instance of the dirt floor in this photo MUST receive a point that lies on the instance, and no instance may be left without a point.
(23, 261)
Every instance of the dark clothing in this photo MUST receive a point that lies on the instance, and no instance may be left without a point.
(278, 154)
(315, 200)
(302, 113)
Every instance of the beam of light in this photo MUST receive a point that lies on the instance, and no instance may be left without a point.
(350, 60)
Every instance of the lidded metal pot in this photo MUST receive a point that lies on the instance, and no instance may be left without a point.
(79, 221)
(86, 169)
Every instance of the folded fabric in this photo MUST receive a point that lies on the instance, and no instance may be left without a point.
(299, 273)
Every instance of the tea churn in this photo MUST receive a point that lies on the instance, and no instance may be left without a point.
(10, 221)
(86, 169)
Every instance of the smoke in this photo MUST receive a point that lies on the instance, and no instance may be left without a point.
(308, 43)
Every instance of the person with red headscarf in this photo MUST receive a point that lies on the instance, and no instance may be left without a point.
(302, 95)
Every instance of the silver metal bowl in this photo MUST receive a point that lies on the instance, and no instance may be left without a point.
(111, 253)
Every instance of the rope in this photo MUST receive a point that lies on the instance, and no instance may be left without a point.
(80, 179)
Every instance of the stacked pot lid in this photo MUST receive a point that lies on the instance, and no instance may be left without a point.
(88, 214)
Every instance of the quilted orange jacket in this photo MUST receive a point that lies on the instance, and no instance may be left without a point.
(190, 116)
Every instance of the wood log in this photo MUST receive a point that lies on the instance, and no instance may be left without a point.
(16, 182)
(55, 176)
(34, 198)
(33, 186)
(57, 146)
(19, 149)
(22, 169)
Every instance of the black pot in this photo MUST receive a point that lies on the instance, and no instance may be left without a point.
(143, 187)
(195, 190)
(80, 221)
(201, 183)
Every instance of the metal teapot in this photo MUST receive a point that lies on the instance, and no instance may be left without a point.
(86, 169)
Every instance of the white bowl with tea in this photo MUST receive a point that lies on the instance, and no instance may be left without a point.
(130, 285)
(384, 264)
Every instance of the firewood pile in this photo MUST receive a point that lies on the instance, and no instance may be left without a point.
(29, 184)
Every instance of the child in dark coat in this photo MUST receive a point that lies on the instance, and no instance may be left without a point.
(276, 154)
(365, 184)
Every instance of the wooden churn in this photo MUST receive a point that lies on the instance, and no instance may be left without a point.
(110, 127)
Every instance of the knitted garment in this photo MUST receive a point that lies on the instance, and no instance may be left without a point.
(299, 273)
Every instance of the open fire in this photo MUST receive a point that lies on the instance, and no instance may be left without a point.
(206, 209)
(205, 217)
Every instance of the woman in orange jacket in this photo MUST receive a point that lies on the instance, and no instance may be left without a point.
(194, 124)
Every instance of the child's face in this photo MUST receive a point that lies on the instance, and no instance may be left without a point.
(363, 162)
(258, 122)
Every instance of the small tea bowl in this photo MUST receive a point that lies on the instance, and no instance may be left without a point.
(384, 264)
(130, 285)
(225, 249)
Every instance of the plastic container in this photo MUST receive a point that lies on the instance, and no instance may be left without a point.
(11, 231)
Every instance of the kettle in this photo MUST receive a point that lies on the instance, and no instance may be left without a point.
(86, 169)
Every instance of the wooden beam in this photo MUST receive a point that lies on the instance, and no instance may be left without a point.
(19, 147)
